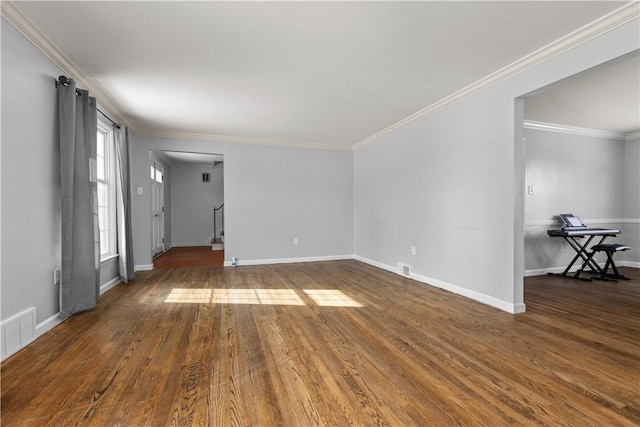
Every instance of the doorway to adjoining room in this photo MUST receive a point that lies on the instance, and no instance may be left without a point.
(579, 156)
(192, 213)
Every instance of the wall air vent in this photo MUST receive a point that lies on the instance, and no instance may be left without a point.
(404, 270)
(17, 332)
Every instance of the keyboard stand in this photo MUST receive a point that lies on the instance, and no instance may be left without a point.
(573, 237)
(609, 249)
(582, 253)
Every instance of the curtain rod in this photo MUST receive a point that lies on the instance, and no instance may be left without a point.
(117, 125)
(64, 80)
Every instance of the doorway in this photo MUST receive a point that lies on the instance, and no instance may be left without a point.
(157, 209)
(575, 143)
(191, 213)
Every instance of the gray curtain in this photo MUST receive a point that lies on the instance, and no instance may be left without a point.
(123, 205)
(80, 284)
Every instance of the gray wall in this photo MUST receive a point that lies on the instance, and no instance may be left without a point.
(450, 184)
(30, 196)
(631, 201)
(193, 202)
(272, 194)
(30, 180)
(583, 175)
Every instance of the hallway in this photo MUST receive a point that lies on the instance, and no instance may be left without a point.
(191, 256)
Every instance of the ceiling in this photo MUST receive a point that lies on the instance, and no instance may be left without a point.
(605, 98)
(324, 74)
(188, 157)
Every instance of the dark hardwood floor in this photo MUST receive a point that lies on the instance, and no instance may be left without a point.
(190, 256)
(331, 343)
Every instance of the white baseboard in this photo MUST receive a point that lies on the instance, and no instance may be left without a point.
(189, 245)
(110, 284)
(557, 270)
(143, 267)
(55, 320)
(376, 264)
(485, 299)
(289, 260)
(477, 296)
(544, 271)
(48, 324)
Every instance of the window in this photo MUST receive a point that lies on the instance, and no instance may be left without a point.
(156, 173)
(106, 190)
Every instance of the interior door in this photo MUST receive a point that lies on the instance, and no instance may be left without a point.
(157, 209)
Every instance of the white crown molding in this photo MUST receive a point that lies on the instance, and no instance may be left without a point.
(241, 140)
(572, 130)
(607, 23)
(611, 21)
(28, 30)
(631, 136)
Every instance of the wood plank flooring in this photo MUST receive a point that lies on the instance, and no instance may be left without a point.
(190, 256)
(331, 343)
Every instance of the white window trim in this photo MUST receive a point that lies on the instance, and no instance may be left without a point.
(110, 170)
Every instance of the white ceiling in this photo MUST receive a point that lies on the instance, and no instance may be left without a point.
(605, 98)
(189, 157)
(332, 73)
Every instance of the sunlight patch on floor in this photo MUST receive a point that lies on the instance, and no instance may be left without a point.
(322, 297)
(256, 296)
(331, 298)
(189, 295)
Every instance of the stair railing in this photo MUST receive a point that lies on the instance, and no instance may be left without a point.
(215, 228)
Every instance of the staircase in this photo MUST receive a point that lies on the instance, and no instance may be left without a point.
(217, 242)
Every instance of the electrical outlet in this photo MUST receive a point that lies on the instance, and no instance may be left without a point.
(413, 250)
(295, 241)
(56, 276)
